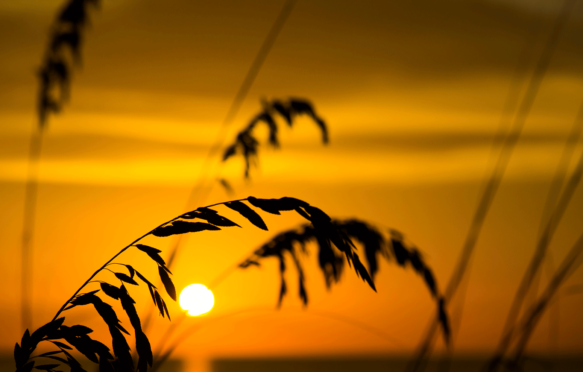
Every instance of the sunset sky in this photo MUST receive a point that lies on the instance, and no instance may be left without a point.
(412, 95)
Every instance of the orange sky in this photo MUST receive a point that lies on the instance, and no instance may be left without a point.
(412, 95)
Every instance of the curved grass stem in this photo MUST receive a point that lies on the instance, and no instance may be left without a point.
(120, 252)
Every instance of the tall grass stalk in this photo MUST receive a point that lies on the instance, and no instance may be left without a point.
(508, 111)
(256, 65)
(544, 240)
(495, 179)
(30, 203)
(240, 96)
(242, 93)
(550, 203)
(54, 74)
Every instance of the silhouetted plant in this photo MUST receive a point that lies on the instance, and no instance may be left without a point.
(62, 54)
(331, 260)
(247, 144)
(77, 336)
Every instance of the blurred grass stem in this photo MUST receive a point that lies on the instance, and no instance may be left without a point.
(547, 234)
(30, 203)
(495, 179)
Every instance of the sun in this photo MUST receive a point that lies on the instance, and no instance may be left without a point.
(197, 299)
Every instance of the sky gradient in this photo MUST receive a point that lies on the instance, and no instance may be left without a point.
(412, 95)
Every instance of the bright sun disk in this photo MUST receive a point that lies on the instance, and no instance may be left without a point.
(197, 299)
